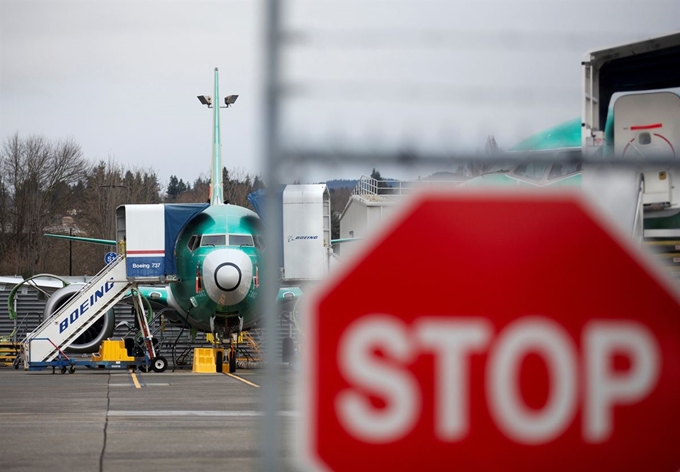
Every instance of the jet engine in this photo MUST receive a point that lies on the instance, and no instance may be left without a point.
(90, 340)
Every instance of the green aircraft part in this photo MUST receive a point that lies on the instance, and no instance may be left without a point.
(106, 242)
(564, 135)
(216, 190)
(214, 220)
(186, 294)
(559, 141)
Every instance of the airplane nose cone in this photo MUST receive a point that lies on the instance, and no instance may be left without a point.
(227, 276)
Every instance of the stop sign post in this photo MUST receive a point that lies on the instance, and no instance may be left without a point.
(494, 331)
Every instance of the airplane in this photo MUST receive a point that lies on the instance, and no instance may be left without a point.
(217, 256)
(617, 193)
(561, 142)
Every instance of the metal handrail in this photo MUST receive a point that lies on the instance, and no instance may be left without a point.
(639, 213)
(370, 186)
(92, 281)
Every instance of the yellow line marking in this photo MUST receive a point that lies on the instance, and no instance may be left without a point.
(241, 379)
(134, 379)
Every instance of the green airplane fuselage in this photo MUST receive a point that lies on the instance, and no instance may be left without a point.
(561, 142)
(231, 234)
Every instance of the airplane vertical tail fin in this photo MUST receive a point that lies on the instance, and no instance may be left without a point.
(216, 189)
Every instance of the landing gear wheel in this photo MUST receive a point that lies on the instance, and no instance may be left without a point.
(287, 350)
(232, 361)
(159, 364)
(219, 361)
(72, 369)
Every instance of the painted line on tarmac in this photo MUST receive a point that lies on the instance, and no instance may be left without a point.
(130, 384)
(203, 413)
(133, 376)
(241, 379)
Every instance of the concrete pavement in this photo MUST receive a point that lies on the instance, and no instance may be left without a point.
(115, 420)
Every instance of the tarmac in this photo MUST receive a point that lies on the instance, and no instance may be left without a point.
(114, 420)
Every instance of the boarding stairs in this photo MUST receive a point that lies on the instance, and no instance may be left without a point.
(60, 330)
(663, 243)
(666, 248)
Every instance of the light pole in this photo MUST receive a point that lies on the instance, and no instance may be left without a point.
(70, 253)
(229, 100)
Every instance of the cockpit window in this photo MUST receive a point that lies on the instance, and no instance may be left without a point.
(259, 242)
(566, 166)
(214, 240)
(531, 170)
(240, 240)
(193, 242)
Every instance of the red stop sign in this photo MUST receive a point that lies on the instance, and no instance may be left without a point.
(494, 332)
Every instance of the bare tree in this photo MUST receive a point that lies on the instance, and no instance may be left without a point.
(109, 186)
(48, 186)
(4, 207)
(491, 147)
(37, 177)
(237, 184)
(103, 192)
(339, 199)
(475, 168)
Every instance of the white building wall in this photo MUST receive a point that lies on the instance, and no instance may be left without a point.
(359, 220)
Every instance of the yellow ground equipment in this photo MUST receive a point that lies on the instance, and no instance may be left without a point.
(8, 352)
(112, 350)
(208, 360)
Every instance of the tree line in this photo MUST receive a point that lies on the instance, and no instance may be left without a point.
(49, 186)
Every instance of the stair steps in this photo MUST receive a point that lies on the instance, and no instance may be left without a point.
(8, 352)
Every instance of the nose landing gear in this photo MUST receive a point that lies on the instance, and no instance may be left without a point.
(226, 328)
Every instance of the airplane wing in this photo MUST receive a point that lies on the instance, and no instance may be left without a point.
(161, 294)
(345, 240)
(107, 242)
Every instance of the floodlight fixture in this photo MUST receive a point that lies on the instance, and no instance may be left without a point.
(230, 100)
(205, 100)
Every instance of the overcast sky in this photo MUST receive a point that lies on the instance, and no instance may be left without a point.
(121, 78)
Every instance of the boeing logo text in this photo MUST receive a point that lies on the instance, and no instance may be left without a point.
(298, 238)
(86, 305)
